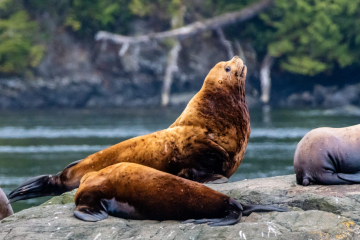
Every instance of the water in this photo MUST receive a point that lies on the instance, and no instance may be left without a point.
(44, 142)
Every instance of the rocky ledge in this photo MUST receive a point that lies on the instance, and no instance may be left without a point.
(315, 212)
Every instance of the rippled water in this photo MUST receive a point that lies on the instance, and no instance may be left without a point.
(44, 142)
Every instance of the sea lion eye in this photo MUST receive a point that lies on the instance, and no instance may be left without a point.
(228, 69)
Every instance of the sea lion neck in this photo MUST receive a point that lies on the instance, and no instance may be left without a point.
(216, 108)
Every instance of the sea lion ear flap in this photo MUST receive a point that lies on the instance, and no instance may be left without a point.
(91, 213)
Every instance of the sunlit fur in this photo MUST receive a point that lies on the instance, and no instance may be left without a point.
(205, 144)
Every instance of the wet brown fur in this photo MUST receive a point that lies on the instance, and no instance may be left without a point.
(206, 143)
(148, 194)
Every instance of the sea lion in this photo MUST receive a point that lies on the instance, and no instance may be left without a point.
(134, 191)
(205, 144)
(5, 207)
(328, 156)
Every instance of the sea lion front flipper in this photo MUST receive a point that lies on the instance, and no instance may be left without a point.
(351, 177)
(248, 209)
(215, 179)
(202, 176)
(91, 214)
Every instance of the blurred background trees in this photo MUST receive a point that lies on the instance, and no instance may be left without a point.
(311, 37)
(301, 37)
(19, 49)
(307, 36)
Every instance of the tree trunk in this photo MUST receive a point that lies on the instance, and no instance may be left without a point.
(176, 22)
(194, 28)
(226, 43)
(170, 69)
(179, 32)
(240, 51)
(265, 78)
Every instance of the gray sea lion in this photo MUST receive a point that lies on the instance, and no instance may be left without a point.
(328, 156)
(205, 144)
(5, 206)
(134, 191)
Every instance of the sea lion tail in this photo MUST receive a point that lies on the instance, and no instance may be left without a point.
(248, 209)
(45, 185)
(232, 217)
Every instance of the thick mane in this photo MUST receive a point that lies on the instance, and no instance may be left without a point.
(228, 109)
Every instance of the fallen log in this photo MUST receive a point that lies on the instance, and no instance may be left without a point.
(193, 28)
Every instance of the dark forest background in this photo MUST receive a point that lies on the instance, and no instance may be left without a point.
(307, 51)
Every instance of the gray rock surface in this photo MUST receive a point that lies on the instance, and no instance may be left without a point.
(300, 100)
(316, 212)
(327, 97)
(348, 110)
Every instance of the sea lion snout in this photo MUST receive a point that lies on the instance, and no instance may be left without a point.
(236, 58)
(240, 66)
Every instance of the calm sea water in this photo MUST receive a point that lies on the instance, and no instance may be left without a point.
(44, 142)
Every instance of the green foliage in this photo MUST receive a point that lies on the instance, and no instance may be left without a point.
(217, 7)
(88, 17)
(307, 36)
(311, 36)
(18, 50)
(163, 9)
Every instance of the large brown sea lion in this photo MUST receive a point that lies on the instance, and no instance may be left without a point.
(205, 144)
(134, 191)
(5, 207)
(328, 156)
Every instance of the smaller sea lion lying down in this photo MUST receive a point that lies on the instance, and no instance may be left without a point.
(134, 191)
(5, 207)
(328, 156)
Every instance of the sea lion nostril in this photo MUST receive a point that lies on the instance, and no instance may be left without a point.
(242, 70)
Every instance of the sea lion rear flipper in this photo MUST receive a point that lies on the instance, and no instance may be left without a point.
(233, 216)
(248, 209)
(45, 185)
(35, 187)
(91, 214)
(230, 219)
(351, 177)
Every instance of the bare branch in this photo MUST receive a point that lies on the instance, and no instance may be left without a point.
(170, 69)
(265, 78)
(194, 28)
(225, 42)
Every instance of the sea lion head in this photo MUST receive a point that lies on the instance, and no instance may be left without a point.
(230, 75)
